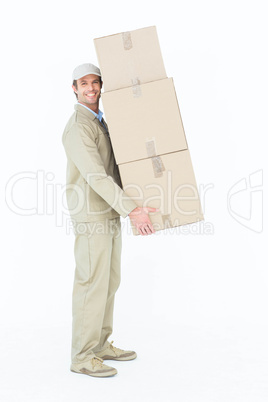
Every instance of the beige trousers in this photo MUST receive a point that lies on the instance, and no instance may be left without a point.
(97, 276)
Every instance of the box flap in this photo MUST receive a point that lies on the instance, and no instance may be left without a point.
(144, 121)
(128, 56)
(173, 189)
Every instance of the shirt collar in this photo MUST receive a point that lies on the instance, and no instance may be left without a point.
(99, 115)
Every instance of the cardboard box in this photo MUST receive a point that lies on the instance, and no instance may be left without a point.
(144, 121)
(146, 129)
(129, 57)
(166, 182)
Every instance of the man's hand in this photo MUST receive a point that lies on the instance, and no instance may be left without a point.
(140, 219)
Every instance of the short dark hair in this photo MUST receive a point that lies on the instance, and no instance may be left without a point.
(75, 85)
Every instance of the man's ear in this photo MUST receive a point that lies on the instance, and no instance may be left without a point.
(101, 83)
(74, 89)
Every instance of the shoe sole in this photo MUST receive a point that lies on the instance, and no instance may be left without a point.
(109, 373)
(126, 358)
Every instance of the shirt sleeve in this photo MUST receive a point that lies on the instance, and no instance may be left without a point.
(83, 151)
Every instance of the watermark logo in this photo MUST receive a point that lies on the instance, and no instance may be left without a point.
(245, 201)
(44, 196)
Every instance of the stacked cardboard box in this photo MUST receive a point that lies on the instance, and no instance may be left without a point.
(146, 128)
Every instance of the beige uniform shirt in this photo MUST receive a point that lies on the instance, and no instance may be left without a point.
(93, 188)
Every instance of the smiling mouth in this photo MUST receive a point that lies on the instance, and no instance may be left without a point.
(91, 95)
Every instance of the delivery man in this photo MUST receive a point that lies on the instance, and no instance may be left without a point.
(95, 201)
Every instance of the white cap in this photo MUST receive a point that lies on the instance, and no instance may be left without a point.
(85, 69)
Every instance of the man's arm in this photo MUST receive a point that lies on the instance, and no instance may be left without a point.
(82, 149)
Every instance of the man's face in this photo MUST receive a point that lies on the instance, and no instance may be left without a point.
(89, 90)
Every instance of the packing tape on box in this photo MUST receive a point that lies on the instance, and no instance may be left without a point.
(167, 221)
(150, 147)
(158, 166)
(136, 87)
(127, 42)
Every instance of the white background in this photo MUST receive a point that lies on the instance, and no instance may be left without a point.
(193, 304)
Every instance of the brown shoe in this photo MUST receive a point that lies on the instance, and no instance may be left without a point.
(94, 368)
(113, 353)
